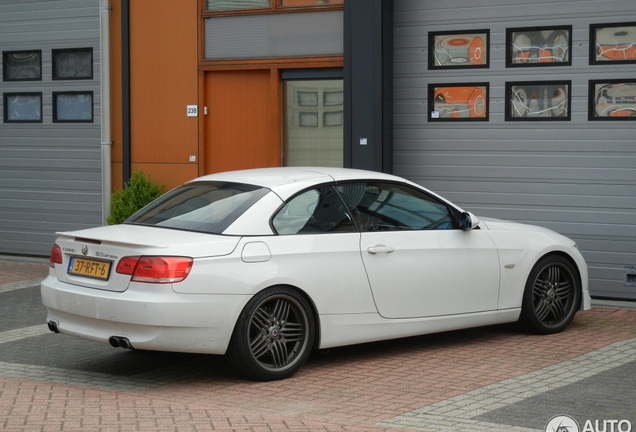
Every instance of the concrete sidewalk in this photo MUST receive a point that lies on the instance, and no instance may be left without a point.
(488, 379)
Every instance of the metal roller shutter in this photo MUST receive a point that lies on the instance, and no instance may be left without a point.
(577, 177)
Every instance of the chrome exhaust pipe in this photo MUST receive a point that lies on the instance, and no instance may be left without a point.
(53, 326)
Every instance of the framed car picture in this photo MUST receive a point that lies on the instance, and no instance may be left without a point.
(454, 50)
(536, 101)
(458, 102)
(613, 43)
(539, 46)
(612, 100)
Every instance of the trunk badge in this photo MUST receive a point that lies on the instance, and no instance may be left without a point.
(85, 250)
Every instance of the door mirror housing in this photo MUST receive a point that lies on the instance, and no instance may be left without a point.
(468, 221)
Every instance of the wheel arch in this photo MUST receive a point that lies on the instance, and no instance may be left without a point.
(550, 305)
(575, 265)
(306, 296)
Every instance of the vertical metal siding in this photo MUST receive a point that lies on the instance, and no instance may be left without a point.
(50, 173)
(577, 177)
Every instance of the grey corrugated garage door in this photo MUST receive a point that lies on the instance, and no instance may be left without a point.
(50, 172)
(577, 176)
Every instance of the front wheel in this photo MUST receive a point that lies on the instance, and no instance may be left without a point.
(552, 295)
(273, 336)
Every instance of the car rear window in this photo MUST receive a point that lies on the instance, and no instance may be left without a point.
(208, 207)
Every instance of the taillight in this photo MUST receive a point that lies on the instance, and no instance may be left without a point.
(127, 265)
(56, 256)
(153, 269)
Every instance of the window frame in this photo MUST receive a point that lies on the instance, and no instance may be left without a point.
(511, 86)
(454, 213)
(275, 7)
(5, 101)
(54, 61)
(332, 187)
(5, 69)
(510, 32)
(69, 93)
(154, 214)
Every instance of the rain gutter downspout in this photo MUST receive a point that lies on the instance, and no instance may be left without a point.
(125, 83)
(106, 142)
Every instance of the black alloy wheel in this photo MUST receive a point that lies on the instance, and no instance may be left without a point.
(273, 336)
(552, 295)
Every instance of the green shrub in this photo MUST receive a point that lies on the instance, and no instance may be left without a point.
(138, 191)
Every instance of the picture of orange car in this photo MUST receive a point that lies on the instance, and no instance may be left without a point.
(616, 44)
(458, 50)
(615, 100)
(460, 102)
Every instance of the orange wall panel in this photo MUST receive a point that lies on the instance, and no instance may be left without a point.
(242, 128)
(167, 175)
(163, 80)
(115, 88)
(117, 175)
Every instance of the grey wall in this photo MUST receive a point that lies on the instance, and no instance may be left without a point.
(50, 178)
(577, 177)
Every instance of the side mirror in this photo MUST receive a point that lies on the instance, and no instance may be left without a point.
(468, 221)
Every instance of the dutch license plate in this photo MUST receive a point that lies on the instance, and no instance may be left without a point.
(89, 268)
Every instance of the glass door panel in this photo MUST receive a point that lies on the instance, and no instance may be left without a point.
(314, 113)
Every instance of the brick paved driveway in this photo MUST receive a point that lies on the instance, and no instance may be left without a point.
(490, 379)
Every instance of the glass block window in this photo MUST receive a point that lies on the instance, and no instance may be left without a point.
(308, 119)
(22, 65)
(331, 119)
(69, 64)
(23, 107)
(333, 98)
(75, 107)
(307, 98)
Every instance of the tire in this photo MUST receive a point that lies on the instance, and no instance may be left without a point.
(552, 296)
(273, 336)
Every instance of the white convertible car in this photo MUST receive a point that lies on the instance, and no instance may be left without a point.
(265, 265)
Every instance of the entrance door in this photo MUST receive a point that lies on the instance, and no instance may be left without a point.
(242, 126)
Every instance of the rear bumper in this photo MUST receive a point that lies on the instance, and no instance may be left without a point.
(151, 317)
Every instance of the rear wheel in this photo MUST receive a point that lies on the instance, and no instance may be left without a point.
(273, 336)
(552, 296)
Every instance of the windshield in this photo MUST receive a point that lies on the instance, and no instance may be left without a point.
(208, 207)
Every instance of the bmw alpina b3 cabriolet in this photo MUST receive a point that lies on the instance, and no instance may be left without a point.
(265, 265)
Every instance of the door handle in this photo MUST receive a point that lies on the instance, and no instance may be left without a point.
(377, 249)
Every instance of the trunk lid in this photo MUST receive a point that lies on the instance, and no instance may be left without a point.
(90, 257)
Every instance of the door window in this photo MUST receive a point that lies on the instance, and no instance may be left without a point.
(314, 129)
(316, 211)
(380, 206)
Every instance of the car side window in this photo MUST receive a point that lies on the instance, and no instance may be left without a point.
(378, 206)
(315, 211)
